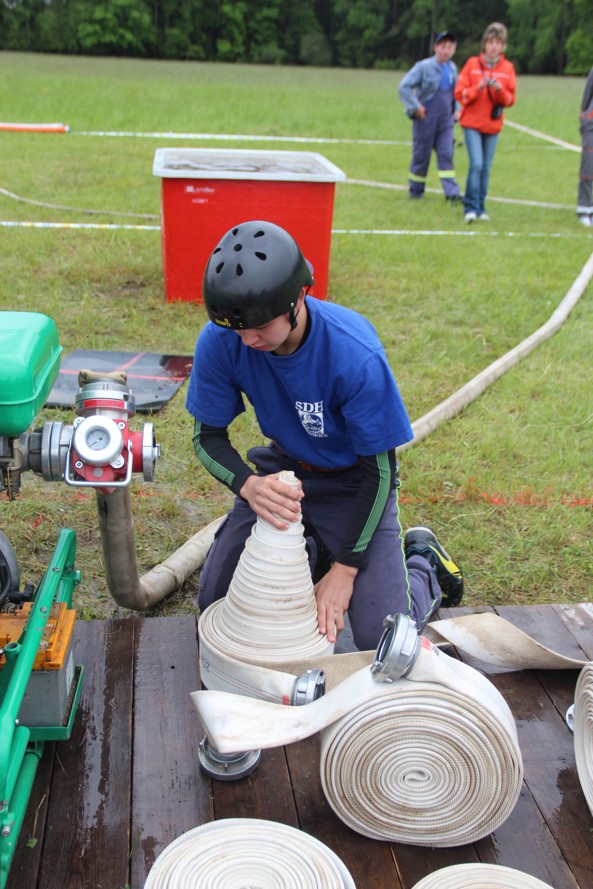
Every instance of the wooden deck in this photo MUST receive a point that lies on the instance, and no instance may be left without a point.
(108, 801)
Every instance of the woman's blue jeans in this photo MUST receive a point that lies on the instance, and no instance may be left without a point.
(480, 149)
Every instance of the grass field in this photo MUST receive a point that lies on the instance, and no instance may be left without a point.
(506, 485)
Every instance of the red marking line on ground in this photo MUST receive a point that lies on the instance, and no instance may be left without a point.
(520, 498)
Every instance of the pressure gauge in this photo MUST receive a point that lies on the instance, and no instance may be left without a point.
(97, 440)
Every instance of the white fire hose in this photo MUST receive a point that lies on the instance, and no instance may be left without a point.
(237, 853)
(583, 731)
(480, 876)
(431, 759)
(420, 748)
(416, 747)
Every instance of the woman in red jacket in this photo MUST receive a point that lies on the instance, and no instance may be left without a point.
(485, 87)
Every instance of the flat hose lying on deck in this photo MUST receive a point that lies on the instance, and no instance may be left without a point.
(480, 876)
(236, 853)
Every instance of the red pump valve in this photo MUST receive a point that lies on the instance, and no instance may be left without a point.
(103, 451)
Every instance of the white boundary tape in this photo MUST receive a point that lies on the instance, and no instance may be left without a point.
(243, 137)
(539, 135)
(237, 137)
(524, 203)
(4, 223)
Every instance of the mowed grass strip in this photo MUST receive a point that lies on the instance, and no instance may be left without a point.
(506, 485)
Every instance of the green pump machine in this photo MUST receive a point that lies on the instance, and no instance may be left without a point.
(39, 681)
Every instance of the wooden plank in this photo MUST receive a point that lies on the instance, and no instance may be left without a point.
(148, 668)
(87, 836)
(525, 841)
(170, 794)
(415, 862)
(27, 856)
(578, 620)
(266, 794)
(550, 776)
(369, 861)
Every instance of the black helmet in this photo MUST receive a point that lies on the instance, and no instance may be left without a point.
(254, 275)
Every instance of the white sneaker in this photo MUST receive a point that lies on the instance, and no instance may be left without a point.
(483, 217)
(471, 216)
(585, 219)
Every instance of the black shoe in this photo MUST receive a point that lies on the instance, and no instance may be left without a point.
(422, 542)
(454, 198)
(416, 196)
(323, 558)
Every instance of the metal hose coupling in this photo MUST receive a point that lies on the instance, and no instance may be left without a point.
(227, 766)
(308, 687)
(398, 649)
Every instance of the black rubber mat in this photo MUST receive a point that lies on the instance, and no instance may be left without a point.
(154, 379)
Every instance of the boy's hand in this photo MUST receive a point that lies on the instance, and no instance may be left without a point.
(333, 593)
(273, 500)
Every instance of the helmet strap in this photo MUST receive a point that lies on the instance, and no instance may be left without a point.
(292, 315)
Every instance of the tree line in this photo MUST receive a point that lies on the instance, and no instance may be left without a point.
(545, 37)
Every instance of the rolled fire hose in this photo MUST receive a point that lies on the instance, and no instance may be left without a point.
(480, 876)
(236, 853)
(406, 761)
(583, 731)
(268, 616)
(430, 759)
(487, 637)
(237, 722)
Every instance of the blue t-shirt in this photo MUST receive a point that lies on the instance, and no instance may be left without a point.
(445, 83)
(332, 400)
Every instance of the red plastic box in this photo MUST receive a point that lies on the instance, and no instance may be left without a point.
(205, 192)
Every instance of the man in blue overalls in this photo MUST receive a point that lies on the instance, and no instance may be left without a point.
(427, 93)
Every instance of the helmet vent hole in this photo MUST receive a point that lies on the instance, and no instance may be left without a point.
(237, 313)
(216, 250)
(239, 270)
(238, 247)
(219, 268)
(259, 234)
(262, 256)
(235, 230)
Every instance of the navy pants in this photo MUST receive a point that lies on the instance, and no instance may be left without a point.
(387, 584)
(435, 131)
(584, 202)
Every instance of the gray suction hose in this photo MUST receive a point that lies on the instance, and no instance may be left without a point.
(127, 588)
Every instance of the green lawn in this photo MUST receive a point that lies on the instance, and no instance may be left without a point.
(506, 485)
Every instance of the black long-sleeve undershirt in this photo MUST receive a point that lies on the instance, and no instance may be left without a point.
(378, 475)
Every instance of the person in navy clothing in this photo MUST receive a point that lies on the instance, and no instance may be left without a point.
(324, 395)
(427, 93)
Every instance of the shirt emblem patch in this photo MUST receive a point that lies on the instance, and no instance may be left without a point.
(311, 417)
